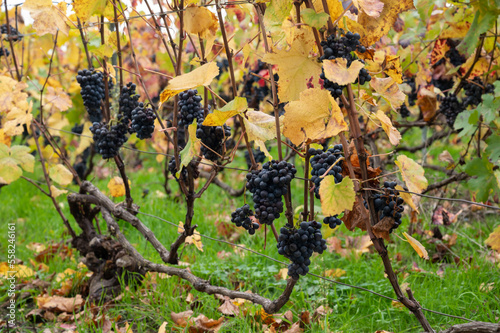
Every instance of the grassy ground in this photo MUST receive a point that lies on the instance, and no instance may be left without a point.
(461, 289)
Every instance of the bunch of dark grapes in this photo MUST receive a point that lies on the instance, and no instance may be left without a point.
(453, 55)
(255, 89)
(403, 111)
(77, 129)
(14, 34)
(334, 88)
(451, 107)
(4, 52)
(108, 139)
(92, 84)
(268, 186)
(299, 245)
(190, 108)
(213, 140)
(258, 155)
(389, 204)
(184, 173)
(128, 100)
(320, 163)
(442, 84)
(143, 122)
(223, 67)
(241, 218)
(412, 96)
(474, 90)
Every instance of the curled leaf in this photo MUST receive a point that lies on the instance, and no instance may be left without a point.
(417, 246)
(336, 70)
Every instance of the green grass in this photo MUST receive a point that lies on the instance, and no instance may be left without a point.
(457, 292)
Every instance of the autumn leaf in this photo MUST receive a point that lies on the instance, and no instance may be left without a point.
(335, 198)
(383, 227)
(260, 128)
(336, 70)
(84, 9)
(391, 131)
(47, 18)
(163, 327)
(57, 98)
(393, 68)
(311, 119)
(295, 68)
(201, 76)
(376, 27)
(407, 197)
(370, 7)
(60, 304)
(413, 174)
(191, 149)
(455, 30)
(60, 174)
(389, 90)
(56, 192)
(19, 271)
(233, 108)
(116, 187)
(5, 139)
(200, 20)
(12, 160)
(194, 239)
(313, 19)
(439, 50)
(427, 101)
(417, 246)
(494, 239)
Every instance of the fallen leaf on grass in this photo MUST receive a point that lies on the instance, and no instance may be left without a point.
(282, 274)
(60, 304)
(200, 324)
(295, 328)
(354, 246)
(441, 216)
(228, 308)
(494, 239)
(321, 312)
(334, 273)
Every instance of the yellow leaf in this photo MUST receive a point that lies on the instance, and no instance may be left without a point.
(12, 160)
(57, 98)
(200, 20)
(260, 126)
(15, 120)
(336, 70)
(56, 192)
(455, 30)
(367, 97)
(117, 187)
(393, 68)
(104, 50)
(201, 76)
(191, 149)
(413, 174)
(5, 139)
(407, 197)
(163, 327)
(417, 246)
(311, 119)
(391, 131)
(376, 27)
(247, 51)
(335, 198)
(219, 117)
(295, 67)
(20, 271)
(194, 239)
(334, 273)
(494, 239)
(389, 90)
(47, 18)
(60, 174)
(480, 67)
(370, 7)
(84, 9)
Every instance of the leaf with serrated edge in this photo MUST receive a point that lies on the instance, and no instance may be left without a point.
(389, 90)
(407, 197)
(201, 76)
(60, 174)
(310, 119)
(233, 108)
(260, 128)
(313, 19)
(370, 7)
(335, 198)
(417, 246)
(391, 131)
(413, 174)
(336, 70)
(200, 20)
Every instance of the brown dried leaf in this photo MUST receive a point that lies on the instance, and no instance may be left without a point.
(181, 318)
(295, 328)
(304, 319)
(427, 102)
(228, 308)
(321, 312)
(202, 324)
(381, 229)
(357, 216)
(60, 304)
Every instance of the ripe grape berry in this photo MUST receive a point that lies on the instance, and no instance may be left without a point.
(320, 163)
(128, 100)
(241, 218)
(143, 122)
(298, 245)
(92, 91)
(14, 34)
(213, 140)
(4, 52)
(258, 155)
(268, 186)
(108, 139)
(255, 89)
(412, 96)
(190, 108)
(389, 204)
(474, 90)
(450, 107)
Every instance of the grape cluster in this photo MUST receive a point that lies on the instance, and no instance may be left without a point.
(403, 111)
(258, 155)
(455, 58)
(77, 129)
(108, 139)
(241, 218)
(299, 245)
(412, 96)
(320, 163)
(4, 52)
(255, 89)
(128, 100)
(223, 67)
(442, 84)
(80, 164)
(474, 91)
(92, 84)
(14, 34)
(143, 122)
(184, 173)
(190, 108)
(389, 204)
(268, 186)
(451, 107)
(213, 140)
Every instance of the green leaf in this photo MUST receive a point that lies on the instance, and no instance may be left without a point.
(60, 174)
(276, 12)
(466, 122)
(489, 108)
(493, 149)
(313, 19)
(335, 198)
(484, 181)
(12, 160)
(192, 148)
(219, 117)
